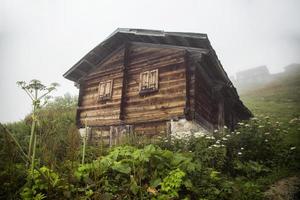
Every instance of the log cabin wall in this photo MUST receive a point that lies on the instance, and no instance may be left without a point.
(148, 113)
(170, 99)
(102, 113)
(191, 63)
(205, 104)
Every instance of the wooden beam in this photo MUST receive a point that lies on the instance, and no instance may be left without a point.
(187, 108)
(81, 87)
(123, 97)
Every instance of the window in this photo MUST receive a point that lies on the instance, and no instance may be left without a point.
(105, 90)
(148, 81)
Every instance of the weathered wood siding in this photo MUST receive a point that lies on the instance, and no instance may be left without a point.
(102, 114)
(205, 104)
(170, 99)
(151, 129)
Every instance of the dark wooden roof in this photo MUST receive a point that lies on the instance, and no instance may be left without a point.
(123, 35)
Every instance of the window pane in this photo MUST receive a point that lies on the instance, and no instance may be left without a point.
(108, 88)
(153, 79)
(145, 80)
(101, 89)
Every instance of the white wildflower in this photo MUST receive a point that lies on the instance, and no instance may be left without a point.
(266, 140)
(227, 135)
(199, 134)
(238, 133)
(239, 153)
(267, 133)
(260, 126)
(225, 127)
(242, 148)
(247, 125)
(216, 145)
(292, 148)
(218, 142)
(209, 147)
(215, 131)
(224, 138)
(210, 137)
(222, 145)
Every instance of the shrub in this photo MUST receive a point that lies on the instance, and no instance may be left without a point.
(48, 184)
(150, 172)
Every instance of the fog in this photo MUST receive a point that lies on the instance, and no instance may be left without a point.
(43, 39)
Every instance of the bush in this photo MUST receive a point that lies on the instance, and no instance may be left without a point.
(150, 172)
(44, 183)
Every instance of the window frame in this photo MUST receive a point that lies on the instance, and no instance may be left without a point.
(151, 83)
(107, 94)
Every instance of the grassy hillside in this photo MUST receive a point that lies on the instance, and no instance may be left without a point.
(279, 100)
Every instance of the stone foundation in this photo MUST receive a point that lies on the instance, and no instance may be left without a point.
(115, 135)
(183, 129)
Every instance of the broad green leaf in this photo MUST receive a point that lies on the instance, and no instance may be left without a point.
(121, 167)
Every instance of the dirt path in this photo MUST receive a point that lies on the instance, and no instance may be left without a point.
(284, 189)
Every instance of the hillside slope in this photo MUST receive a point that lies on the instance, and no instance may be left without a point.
(279, 100)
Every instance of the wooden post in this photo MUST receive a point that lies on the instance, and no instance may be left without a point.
(81, 89)
(169, 131)
(111, 136)
(129, 133)
(187, 108)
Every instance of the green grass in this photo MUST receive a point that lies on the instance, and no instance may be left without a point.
(279, 100)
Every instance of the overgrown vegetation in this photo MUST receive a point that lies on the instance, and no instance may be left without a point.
(226, 165)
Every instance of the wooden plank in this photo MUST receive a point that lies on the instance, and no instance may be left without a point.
(98, 113)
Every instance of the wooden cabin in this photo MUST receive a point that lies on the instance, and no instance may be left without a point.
(146, 79)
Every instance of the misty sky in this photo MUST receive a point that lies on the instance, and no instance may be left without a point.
(43, 39)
